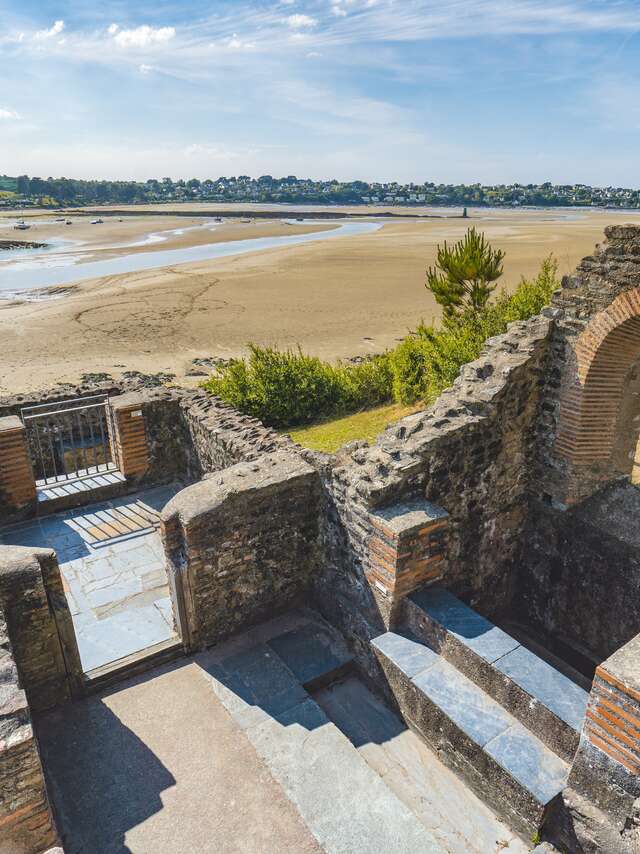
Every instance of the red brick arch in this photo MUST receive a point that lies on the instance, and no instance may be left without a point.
(592, 397)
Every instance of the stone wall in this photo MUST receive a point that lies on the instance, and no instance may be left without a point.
(471, 455)
(581, 556)
(26, 825)
(158, 435)
(579, 578)
(222, 436)
(241, 545)
(39, 625)
(190, 434)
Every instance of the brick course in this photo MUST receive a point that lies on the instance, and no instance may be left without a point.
(17, 484)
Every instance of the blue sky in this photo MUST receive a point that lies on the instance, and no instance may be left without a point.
(470, 90)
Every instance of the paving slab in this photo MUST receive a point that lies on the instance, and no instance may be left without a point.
(406, 652)
(527, 760)
(540, 680)
(465, 624)
(311, 652)
(113, 578)
(157, 766)
(473, 711)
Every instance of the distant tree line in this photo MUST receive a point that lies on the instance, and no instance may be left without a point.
(267, 188)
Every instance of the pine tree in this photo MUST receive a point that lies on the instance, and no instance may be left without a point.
(465, 275)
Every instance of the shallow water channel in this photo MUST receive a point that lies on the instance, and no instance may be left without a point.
(58, 264)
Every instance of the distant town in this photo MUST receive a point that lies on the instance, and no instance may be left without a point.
(24, 191)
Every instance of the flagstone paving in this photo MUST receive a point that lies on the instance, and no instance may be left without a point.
(113, 572)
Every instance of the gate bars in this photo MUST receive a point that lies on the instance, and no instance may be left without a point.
(69, 439)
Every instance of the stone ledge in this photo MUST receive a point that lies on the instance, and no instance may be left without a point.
(266, 473)
(407, 518)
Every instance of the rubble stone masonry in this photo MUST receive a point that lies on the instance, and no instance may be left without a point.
(26, 825)
(39, 624)
(241, 545)
(468, 455)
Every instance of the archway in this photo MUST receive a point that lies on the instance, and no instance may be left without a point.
(600, 402)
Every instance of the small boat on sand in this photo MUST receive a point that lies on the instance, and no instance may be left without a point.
(97, 221)
(21, 225)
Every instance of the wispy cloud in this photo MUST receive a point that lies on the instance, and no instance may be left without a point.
(297, 22)
(361, 86)
(8, 115)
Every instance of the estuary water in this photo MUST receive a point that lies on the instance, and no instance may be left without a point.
(24, 270)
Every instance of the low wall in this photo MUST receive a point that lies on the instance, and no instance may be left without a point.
(469, 454)
(241, 545)
(26, 825)
(39, 625)
(222, 436)
(157, 435)
(191, 433)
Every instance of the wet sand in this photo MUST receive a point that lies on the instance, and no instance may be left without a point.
(339, 298)
(108, 239)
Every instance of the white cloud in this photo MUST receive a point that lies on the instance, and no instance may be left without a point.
(143, 36)
(235, 43)
(53, 31)
(8, 115)
(145, 69)
(113, 29)
(301, 22)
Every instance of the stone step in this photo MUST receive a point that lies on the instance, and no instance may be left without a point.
(545, 700)
(501, 760)
(313, 653)
(344, 803)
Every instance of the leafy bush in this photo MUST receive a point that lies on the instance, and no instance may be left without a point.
(287, 387)
(428, 361)
(410, 366)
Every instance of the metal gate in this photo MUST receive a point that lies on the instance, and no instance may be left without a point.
(69, 439)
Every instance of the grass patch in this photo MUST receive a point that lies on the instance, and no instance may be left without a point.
(332, 434)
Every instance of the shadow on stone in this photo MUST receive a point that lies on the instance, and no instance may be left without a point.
(102, 778)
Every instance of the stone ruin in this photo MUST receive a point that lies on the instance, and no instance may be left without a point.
(481, 559)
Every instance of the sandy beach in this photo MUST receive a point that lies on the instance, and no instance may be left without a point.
(335, 298)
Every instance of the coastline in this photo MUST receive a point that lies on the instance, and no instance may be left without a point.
(337, 299)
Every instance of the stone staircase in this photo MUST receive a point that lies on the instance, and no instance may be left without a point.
(266, 679)
(499, 715)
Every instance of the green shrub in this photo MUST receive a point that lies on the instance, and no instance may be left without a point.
(410, 365)
(428, 361)
(287, 387)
